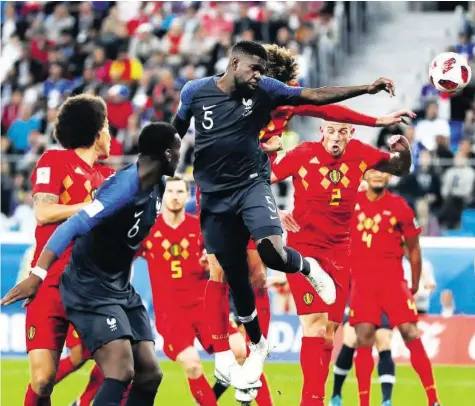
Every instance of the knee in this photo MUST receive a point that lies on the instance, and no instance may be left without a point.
(149, 376)
(259, 277)
(76, 355)
(329, 334)
(365, 336)
(409, 332)
(314, 325)
(193, 369)
(272, 255)
(42, 380)
(238, 347)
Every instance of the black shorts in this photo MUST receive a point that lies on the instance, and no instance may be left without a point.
(99, 323)
(229, 218)
(384, 324)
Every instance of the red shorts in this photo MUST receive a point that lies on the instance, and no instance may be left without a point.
(72, 339)
(180, 328)
(307, 300)
(368, 302)
(46, 321)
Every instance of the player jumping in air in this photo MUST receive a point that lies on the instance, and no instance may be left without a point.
(173, 251)
(233, 175)
(282, 66)
(95, 288)
(382, 224)
(326, 176)
(64, 182)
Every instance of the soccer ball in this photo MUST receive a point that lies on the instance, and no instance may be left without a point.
(449, 72)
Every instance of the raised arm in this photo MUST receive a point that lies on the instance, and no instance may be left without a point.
(400, 160)
(283, 94)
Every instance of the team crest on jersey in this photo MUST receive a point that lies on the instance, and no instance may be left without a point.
(31, 333)
(247, 107)
(335, 176)
(308, 298)
(368, 223)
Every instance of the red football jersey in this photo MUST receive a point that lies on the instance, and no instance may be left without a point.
(377, 233)
(325, 190)
(63, 173)
(172, 254)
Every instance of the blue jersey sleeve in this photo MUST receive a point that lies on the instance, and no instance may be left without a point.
(116, 192)
(279, 92)
(186, 97)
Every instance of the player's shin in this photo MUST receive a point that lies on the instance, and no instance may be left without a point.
(95, 381)
(422, 365)
(217, 314)
(264, 397)
(33, 399)
(201, 391)
(313, 393)
(364, 364)
(110, 392)
(386, 372)
(342, 367)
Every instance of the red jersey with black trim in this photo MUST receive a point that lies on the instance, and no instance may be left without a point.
(177, 278)
(325, 190)
(64, 174)
(378, 231)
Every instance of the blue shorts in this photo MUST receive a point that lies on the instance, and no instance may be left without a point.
(230, 217)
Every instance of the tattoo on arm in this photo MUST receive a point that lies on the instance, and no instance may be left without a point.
(47, 198)
(399, 164)
(328, 95)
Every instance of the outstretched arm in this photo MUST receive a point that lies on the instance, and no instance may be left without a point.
(283, 94)
(342, 114)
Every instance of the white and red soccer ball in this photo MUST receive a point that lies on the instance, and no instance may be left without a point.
(449, 72)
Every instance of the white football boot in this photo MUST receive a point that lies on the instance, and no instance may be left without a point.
(321, 281)
(254, 364)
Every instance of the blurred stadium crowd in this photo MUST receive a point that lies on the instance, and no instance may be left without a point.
(138, 55)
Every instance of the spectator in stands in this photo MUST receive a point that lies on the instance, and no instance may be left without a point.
(20, 129)
(125, 68)
(8, 22)
(11, 111)
(464, 46)
(427, 220)
(443, 154)
(144, 42)
(28, 70)
(58, 21)
(423, 182)
(23, 218)
(119, 107)
(55, 84)
(457, 191)
(466, 150)
(431, 127)
(447, 303)
(469, 124)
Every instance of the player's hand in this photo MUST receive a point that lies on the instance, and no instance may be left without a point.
(203, 261)
(398, 143)
(395, 118)
(288, 221)
(274, 144)
(26, 289)
(382, 84)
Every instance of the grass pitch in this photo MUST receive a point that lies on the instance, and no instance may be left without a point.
(456, 386)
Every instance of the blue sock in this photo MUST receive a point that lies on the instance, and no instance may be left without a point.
(386, 372)
(110, 393)
(342, 367)
(141, 397)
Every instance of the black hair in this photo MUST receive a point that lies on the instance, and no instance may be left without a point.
(250, 48)
(155, 138)
(80, 119)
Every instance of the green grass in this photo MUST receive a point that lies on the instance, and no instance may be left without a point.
(456, 386)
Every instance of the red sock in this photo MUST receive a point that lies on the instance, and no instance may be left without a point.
(65, 367)
(202, 391)
(313, 392)
(33, 399)
(421, 364)
(326, 359)
(364, 364)
(217, 312)
(95, 382)
(263, 309)
(264, 398)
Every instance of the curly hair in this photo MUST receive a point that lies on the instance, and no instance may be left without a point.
(281, 64)
(80, 119)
